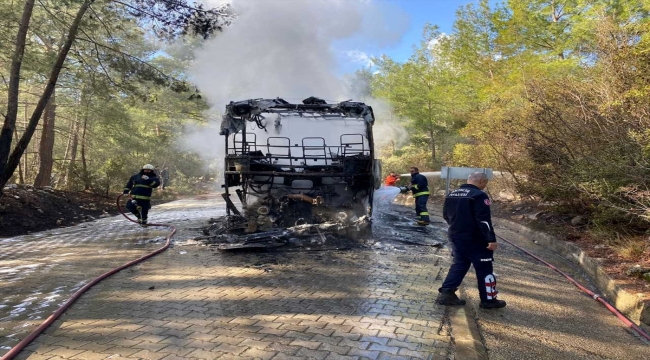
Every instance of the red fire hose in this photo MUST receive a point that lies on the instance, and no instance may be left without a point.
(21, 345)
(596, 297)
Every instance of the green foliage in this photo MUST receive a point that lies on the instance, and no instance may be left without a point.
(555, 92)
(122, 99)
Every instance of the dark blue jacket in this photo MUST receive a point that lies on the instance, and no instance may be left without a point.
(140, 188)
(467, 211)
(419, 185)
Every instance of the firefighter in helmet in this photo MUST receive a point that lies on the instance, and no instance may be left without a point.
(420, 188)
(140, 186)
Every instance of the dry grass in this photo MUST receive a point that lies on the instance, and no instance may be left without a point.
(633, 248)
(628, 247)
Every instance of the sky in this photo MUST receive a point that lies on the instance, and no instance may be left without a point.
(353, 55)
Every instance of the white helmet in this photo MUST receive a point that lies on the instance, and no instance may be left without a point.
(148, 167)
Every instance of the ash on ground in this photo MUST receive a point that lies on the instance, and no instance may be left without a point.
(390, 229)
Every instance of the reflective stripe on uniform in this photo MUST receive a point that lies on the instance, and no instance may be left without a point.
(141, 197)
(143, 186)
(424, 213)
(152, 184)
(421, 193)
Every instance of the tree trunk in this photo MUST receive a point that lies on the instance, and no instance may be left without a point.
(47, 144)
(21, 179)
(84, 175)
(27, 170)
(73, 155)
(68, 145)
(12, 92)
(433, 147)
(12, 163)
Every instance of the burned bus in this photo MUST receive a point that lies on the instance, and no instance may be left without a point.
(295, 164)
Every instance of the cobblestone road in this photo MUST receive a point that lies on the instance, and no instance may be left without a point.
(39, 271)
(191, 302)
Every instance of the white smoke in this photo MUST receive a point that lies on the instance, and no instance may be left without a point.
(285, 48)
(388, 127)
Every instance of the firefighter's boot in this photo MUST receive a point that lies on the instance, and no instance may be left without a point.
(449, 297)
(492, 304)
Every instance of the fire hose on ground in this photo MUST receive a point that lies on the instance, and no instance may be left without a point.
(594, 296)
(34, 334)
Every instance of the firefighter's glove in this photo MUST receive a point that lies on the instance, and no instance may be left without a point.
(145, 177)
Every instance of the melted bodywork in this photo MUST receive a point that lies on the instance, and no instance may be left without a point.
(298, 164)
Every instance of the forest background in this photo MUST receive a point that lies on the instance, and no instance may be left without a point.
(554, 92)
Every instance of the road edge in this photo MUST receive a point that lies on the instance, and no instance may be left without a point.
(465, 331)
(629, 304)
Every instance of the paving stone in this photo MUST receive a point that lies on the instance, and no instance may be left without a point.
(331, 306)
(91, 355)
(31, 355)
(177, 350)
(173, 357)
(230, 349)
(341, 350)
(203, 345)
(283, 356)
(95, 347)
(203, 354)
(403, 344)
(256, 344)
(283, 348)
(152, 338)
(354, 344)
(364, 353)
(149, 355)
(412, 353)
(389, 349)
(375, 339)
(258, 354)
(122, 351)
(385, 356)
(312, 354)
(305, 344)
(145, 345)
(251, 336)
(319, 331)
(124, 343)
(42, 348)
(333, 356)
(228, 340)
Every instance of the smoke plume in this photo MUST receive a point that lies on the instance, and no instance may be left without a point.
(287, 49)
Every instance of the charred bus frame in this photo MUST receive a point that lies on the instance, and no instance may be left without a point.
(340, 171)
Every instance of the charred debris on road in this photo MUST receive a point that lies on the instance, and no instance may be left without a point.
(291, 185)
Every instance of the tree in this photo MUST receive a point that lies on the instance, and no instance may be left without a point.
(167, 18)
(424, 90)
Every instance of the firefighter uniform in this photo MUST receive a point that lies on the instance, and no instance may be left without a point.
(420, 188)
(467, 211)
(141, 186)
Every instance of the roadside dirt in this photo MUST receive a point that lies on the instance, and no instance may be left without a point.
(25, 209)
(540, 217)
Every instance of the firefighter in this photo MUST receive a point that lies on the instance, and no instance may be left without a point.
(472, 241)
(420, 188)
(141, 186)
(391, 179)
